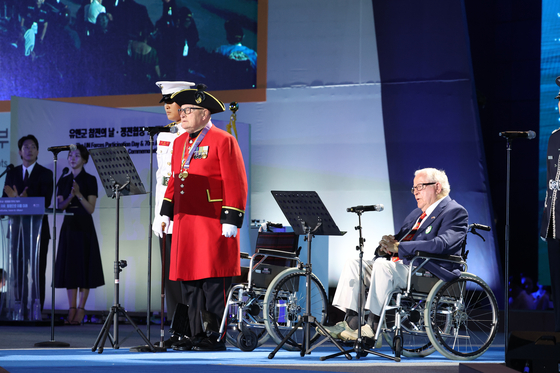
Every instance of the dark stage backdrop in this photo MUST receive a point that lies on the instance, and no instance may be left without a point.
(430, 113)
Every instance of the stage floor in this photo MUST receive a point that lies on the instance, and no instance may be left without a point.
(18, 354)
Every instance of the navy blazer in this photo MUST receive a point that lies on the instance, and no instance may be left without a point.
(442, 232)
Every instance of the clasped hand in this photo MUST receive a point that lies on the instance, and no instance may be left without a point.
(13, 192)
(388, 245)
(75, 192)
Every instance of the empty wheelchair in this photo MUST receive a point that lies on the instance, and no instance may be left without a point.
(285, 301)
(458, 318)
(270, 294)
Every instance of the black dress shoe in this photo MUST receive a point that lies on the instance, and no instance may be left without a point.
(184, 344)
(168, 342)
(210, 344)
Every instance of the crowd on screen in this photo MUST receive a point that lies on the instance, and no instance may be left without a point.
(113, 47)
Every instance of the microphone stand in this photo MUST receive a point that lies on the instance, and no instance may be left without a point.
(52, 342)
(8, 168)
(506, 254)
(509, 136)
(150, 216)
(145, 348)
(360, 346)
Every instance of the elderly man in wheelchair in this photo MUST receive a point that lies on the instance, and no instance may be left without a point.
(436, 231)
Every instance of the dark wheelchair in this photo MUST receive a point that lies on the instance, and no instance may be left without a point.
(270, 295)
(458, 318)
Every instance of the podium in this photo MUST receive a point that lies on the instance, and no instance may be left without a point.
(19, 258)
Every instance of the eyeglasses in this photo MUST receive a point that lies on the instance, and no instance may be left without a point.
(189, 110)
(420, 187)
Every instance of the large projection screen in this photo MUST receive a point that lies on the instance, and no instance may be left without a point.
(549, 118)
(134, 44)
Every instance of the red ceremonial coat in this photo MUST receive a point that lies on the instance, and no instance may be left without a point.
(214, 192)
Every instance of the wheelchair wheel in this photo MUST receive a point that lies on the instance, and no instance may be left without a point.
(474, 317)
(247, 341)
(397, 346)
(414, 341)
(245, 316)
(285, 301)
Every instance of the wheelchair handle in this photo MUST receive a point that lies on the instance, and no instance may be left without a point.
(474, 226)
(480, 226)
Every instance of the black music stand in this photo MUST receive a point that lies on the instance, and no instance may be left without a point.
(119, 177)
(308, 216)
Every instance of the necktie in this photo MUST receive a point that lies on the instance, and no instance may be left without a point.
(26, 177)
(411, 234)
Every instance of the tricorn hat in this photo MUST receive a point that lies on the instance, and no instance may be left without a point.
(168, 88)
(199, 97)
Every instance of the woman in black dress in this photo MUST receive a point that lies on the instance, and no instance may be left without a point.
(78, 261)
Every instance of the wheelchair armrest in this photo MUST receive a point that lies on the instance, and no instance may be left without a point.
(449, 258)
(277, 253)
(244, 255)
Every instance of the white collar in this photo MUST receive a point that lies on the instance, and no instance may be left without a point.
(29, 169)
(432, 207)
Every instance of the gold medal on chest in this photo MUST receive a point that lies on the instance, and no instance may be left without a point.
(183, 175)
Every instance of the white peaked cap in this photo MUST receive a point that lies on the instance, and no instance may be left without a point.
(168, 87)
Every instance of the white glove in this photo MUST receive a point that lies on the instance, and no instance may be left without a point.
(263, 227)
(229, 230)
(157, 225)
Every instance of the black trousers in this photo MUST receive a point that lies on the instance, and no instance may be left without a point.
(554, 266)
(173, 292)
(209, 294)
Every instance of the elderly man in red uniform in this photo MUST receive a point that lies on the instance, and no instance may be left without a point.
(206, 198)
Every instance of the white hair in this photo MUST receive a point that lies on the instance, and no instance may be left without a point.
(436, 176)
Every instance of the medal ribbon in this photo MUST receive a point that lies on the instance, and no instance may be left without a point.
(186, 161)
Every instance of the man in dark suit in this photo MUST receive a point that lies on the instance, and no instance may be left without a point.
(30, 179)
(439, 226)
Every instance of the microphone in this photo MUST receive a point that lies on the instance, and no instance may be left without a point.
(57, 149)
(64, 172)
(158, 129)
(8, 168)
(518, 134)
(361, 208)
